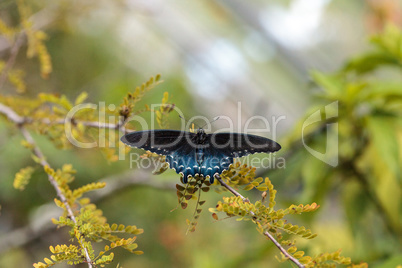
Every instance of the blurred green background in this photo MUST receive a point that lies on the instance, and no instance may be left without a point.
(214, 57)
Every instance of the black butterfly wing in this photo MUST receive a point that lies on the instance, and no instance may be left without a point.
(223, 147)
(161, 141)
(184, 161)
(178, 147)
(188, 157)
(240, 144)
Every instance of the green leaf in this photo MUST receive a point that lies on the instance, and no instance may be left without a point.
(393, 261)
(262, 188)
(383, 90)
(330, 83)
(384, 137)
(22, 178)
(248, 187)
(356, 203)
(390, 41)
(368, 62)
(314, 173)
(81, 98)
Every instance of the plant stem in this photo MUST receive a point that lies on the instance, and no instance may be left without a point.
(18, 120)
(267, 234)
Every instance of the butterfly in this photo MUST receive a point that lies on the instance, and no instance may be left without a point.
(191, 154)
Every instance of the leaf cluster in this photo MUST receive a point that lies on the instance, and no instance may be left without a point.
(367, 92)
(85, 221)
(22, 178)
(50, 115)
(324, 260)
(35, 47)
(240, 175)
(89, 225)
(163, 112)
(195, 185)
(126, 108)
(270, 220)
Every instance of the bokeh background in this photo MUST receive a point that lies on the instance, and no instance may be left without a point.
(212, 55)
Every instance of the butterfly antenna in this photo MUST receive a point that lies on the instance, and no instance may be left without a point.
(211, 121)
(187, 121)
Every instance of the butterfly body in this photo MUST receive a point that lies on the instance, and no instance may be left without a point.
(192, 154)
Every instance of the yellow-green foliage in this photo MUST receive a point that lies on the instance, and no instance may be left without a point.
(89, 226)
(368, 92)
(6, 30)
(16, 77)
(46, 115)
(164, 110)
(195, 185)
(240, 175)
(268, 219)
(265, 216)
(159, 160)
(35, 47)
(126, 108)
(86, 224)
(324, 260)
(22, 178)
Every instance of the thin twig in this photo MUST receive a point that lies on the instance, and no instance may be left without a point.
(284, 252)
(11, 115)
(19, 121)
(233, 191)
(267, 234)
(95, 124)
(27, 120)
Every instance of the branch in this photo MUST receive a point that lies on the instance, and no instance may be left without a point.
(11, 115)
(232, 190)
(19, 121)
(267, 234)
(95, 124)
